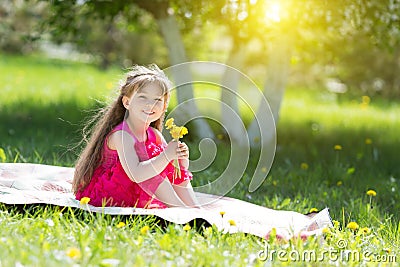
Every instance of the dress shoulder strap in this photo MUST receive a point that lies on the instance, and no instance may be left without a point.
(151, 135)
(123, 126)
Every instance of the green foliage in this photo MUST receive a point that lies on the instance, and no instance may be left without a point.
(19, 25)
(308, 172)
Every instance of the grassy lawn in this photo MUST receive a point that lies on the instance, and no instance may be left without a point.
(330, 152)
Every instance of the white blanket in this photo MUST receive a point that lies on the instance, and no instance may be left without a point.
(25, 183)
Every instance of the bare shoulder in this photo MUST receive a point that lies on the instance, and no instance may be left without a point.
(159, 136)
(119, 138)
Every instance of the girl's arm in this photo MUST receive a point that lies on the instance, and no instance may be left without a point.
(139, 171)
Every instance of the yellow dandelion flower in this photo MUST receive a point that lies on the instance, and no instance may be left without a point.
(73, 253)
(120, 224)
(371, 193)
(336, 223)
(178, 132)
(222, 213)
(365, 230)
(184, 131)
(274, 183)
(338, 147)
(144, 229)
(368, 141)
(353, 226)
(232, 223)
(313, 210)
(326, 230)
(84, 200)
(187, 227)
(169, 123)
(339, 183)
(366, 99)
(304, 166)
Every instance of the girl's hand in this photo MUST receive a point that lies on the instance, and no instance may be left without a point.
(176, 150)
(183, 151)
(171, 150)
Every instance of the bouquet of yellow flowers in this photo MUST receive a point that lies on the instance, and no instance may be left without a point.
(176, 133)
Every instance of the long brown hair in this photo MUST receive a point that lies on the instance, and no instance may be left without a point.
(110, 116)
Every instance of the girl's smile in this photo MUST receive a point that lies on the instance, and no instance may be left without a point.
(146, 105)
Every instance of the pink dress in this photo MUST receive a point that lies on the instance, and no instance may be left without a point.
(110, 186)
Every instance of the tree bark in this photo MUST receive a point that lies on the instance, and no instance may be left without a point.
(262, 130)
(277, 73)
(229, 95)
(182, 76)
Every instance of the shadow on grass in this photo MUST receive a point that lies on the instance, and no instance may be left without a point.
(49, 132)
(70, 214)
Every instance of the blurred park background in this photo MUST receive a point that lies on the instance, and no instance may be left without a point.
(330, 70)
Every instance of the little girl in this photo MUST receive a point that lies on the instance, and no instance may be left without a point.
(127, 162)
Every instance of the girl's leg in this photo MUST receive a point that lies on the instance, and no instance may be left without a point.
(186, 193)
(166, 194)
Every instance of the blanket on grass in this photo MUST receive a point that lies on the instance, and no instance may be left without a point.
(25, 183)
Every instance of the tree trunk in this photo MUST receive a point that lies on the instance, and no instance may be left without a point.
(262, 130)
(182, 76)
(274, 88)
(170, 32)
(229, 96)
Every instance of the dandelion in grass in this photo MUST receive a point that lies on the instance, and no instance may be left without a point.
(84, 200)
(326, 230)
(187, 227)
(304, 166)
(365, 230)
(353, 226)
(338, 147)
(232, 223)
(120, 224)
(371, 193)
(339, 183)
(368, 141)
(313, 210)
(176, 132)
(73, 253)
(336, 223)
(144, 229)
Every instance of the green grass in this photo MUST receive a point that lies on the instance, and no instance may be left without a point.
(43, 104)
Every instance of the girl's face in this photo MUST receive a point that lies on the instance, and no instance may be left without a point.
(147, 104)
